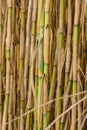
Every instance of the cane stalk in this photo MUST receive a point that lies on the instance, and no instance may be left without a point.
(32, 63)
(46, 58)
(21, 73)
(75, 50)
(8, 61)
(60, 53)
(40, 60)
(27, 49)
(52, 88)
(68, 55)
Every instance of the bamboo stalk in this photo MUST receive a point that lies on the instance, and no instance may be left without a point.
(75, 49)
(40, 59)
(69, 35)
(12, 69)
(46, 57)
(32, 58)
(66, 100)
(68, 55)
(27, 49)
(60, 51)
(52, 88)
(8, 45)
(21, 74)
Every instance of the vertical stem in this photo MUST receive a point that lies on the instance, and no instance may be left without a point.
(12, 69)
(60, 53)
(69, 35)
(46, 58)
(68, 55)
(52, 88)
(21, 75)
(27, 49)
(75, 50)
(40, 60)
(8, 60)
(32, 64)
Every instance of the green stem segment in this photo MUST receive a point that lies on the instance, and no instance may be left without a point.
(60, 49)
(75, 58)
(46, 58)
(52, 92)
(40, 61)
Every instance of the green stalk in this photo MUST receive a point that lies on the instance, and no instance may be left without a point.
(60, 53)
(7, 93)
(36, 68)
(75, 63)
(40, 60)
(52, 88)
(69, 35)
(46, 58)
